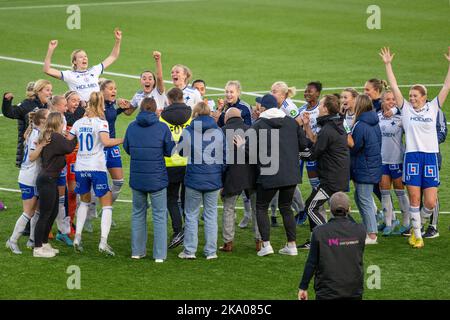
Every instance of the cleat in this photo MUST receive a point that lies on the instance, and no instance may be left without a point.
(77, 244)
(412, 237)
(305, 246)
(431, 233)
(286, 250)
(105, 248)
(177, 239)
(13, 246)
(405, 231)
(419, 244)
(65, 239)
(184, 255)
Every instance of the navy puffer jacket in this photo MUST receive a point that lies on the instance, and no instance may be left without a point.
(366, 164)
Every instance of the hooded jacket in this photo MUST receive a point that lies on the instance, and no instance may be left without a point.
(332, 154)
(20, 112)
(283, 169)
(147, 141)
(203, 143)
(366, 163)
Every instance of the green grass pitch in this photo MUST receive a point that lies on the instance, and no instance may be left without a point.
(257, 42)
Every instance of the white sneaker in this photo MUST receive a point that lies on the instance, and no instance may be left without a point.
(265, 250)
(138, 257)
(159, 260)
(371, 241)
(13, 246)
(184, 255)
(42, 253)
(288, 250)
(48, 247)
(211, 256)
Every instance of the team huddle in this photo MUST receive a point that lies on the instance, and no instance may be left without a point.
(68, 151)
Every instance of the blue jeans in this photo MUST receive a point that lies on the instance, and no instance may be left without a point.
(139, 223)
(193, 200)
(366, 206)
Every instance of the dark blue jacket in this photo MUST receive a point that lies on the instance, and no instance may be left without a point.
(366, 165)
(206, 153)
(111, 113)
(147, 141)
(245, 112)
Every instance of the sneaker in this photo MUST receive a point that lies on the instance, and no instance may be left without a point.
(30, 244)
(412, 238)
(371, 241)
(48, 247)
(105, 248)
(305, 246)
(42, 253)
(211, 256)
(431, 233)
(88, 227)
(274, 222)
(177, 239)
(13, 246)
(244, 222)
(405, 231)
(301, 217)
(387, 231)
(419, 244)
(65, 239)
(77, 244)
(159, 260)
(139, 257)
(290, 251)
(265, 251)
(184, 255)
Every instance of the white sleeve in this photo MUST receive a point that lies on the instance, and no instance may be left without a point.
(135, 101)
(74, 130)
(198, 97)
(68, 76)
(435, 103)
(98, 69)
(102, 126)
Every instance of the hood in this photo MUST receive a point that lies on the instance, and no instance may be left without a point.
(177, 113)
(335, 120)
(146, 118)
(369, 117)
(273, 117)
(203, 123)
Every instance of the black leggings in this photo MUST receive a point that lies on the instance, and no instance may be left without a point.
(173, 194)
(48, 207)
(263, 199)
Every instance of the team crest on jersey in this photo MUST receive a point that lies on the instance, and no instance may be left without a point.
(413, 169)
(293, 113)
(430, 171)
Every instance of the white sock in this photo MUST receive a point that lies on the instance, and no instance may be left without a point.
(415, 221)
(106, 223)
(33, 222)
(61, 221)
(247, 206)
(403, 201)
(21, 223)
(425, 213)
(115, 189)
(386, 203)
(81, 216)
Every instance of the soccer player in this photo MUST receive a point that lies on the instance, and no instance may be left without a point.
(200, 85)
(81, 78)
(90, 168)
(180, 79)
(392, 151)
(29, 171)
(233, 100)
(420, 167)
(348, 99)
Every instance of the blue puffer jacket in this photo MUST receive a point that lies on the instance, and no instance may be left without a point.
(147, 141)
(205, 152)
(366, 165)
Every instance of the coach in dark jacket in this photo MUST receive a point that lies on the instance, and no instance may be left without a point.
(336, 256)
(279, 170)
(20, 112)
(148, 141)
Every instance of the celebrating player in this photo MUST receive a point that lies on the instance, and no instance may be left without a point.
(180, 78)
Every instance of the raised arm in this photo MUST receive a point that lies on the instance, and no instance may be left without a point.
(159, 73)
(387, 57)
(444, 91)
(115, 51)
(48, 61)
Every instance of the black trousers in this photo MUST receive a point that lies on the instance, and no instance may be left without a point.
(317, 198)
(263, 199)
(173, 194)
(48, 206)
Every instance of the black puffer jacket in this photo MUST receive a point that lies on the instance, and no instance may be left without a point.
(20, 112)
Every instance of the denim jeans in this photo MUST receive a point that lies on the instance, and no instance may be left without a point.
(366, 206)
(139, 223)
(193, 200)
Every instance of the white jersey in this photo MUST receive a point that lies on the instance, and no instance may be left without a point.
(83, 82)
(160, 99)
(348, 121)
(392, 148)
(313, 115)
(289, 107)
(29, 170)
(420, 127)
(191, 96)
(90, 155)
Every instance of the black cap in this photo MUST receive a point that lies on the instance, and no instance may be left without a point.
(268, 101)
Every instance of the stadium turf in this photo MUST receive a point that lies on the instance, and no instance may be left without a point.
(257, 42)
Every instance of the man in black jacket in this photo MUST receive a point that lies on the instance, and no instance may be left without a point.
(330, 149)
(336, 256)
(177, 116)
(238, 176)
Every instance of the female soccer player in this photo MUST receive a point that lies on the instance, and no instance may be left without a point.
(348, 99)
(374, 88)
(27, 180)
(233, 100)
(92, 133)
(283, 94)
(420, 167)
(180, 78)
(392, 150)
(81, 78)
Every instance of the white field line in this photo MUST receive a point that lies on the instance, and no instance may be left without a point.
(221, 207)
(94, 4)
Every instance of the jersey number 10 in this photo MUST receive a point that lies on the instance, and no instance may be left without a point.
(89, 142)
